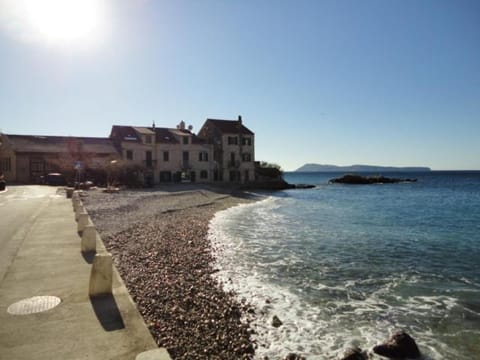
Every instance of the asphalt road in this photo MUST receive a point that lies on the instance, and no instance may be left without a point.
(19, 209)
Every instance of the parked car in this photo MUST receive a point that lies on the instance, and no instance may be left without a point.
(55, 179)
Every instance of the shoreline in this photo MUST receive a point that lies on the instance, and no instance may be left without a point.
(159, 243)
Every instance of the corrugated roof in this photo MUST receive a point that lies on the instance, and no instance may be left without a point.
(229, 126)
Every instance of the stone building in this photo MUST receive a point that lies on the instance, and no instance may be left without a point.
(233, 149)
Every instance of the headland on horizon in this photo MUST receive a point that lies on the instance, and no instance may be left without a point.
(359, 168)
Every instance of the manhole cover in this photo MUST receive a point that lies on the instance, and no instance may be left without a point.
(33, 305)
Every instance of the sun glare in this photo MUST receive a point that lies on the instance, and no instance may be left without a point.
(62, 19)
(58, 21)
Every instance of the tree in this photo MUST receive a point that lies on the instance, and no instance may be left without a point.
(266, 171)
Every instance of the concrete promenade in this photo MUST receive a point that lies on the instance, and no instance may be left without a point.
(49, 263)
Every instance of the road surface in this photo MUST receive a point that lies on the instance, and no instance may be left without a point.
(19, 209)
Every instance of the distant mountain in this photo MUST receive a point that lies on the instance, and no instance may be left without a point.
(359, 168)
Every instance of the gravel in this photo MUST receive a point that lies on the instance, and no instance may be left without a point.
(159, 244)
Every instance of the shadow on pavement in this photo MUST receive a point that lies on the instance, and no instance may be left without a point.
(88, 256)
(106, 310)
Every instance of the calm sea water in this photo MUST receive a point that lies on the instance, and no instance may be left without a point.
(346, 265)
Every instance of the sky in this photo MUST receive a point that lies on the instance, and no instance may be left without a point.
(379, 82)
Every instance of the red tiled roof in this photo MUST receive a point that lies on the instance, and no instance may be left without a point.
(124, 133)
(195, 138)
(164, 136)
(229, 126)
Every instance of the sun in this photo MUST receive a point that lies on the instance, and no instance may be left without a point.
(64, 20)
(57, 21)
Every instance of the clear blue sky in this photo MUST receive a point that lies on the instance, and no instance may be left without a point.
(335, 82)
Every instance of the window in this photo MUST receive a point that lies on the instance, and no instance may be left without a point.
(246, 141)
(148, 139)
(148, 159)
(203, 156)
(247, 175)
(246, 157)
(166, 156)
(129, 155)
(232, 140)
(186, 158)
(185, 140)
(5, 164)
(204, 174)
(37, 165)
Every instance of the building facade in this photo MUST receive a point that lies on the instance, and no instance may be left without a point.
(166, 154)
(223, 151)
(233, 149)
(27, 158)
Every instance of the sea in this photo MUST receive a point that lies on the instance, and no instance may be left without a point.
(347, 265)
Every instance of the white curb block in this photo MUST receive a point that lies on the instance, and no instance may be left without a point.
(101, 275)
(89, 239)
(83, 220)
(80, 208)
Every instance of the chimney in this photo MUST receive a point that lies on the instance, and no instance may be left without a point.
(153, 125)
(182, 125)
(240, 119)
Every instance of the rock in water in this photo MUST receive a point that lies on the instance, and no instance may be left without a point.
(276, 322)
(354, 179)
(354, 354)
(399, 346)
(293, 356)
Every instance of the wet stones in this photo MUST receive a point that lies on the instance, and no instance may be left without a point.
(354, 354)
(399, 346)
(276, 322)
(293, 356)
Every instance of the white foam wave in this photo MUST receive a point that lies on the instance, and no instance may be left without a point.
(470, 282)
(322, 329)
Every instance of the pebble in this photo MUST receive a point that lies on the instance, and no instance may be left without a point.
(166, 262)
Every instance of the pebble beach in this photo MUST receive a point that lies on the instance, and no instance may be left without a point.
(159, 243)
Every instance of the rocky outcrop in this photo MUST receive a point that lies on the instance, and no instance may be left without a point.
(365, 180)
(399, 346)
(276, 185)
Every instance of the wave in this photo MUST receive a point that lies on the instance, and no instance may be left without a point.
(322, 318)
